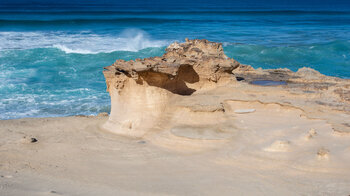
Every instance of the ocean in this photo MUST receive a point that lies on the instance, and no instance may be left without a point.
(52, 56)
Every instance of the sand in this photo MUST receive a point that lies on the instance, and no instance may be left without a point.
(205, 149)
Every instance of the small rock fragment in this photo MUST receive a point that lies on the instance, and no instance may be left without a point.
(312, 133)
(323, 153)
(27, 139)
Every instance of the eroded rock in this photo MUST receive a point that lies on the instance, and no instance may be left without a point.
(140, 89)
(190, 84)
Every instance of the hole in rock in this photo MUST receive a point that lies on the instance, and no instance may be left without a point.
(177, 85)
(239, 78)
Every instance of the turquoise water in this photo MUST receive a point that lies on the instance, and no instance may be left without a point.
(51, 62)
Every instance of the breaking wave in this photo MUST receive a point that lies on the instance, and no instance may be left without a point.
(83, 42)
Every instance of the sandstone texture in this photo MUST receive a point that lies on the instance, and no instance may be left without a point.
(140, 89)
(182, 65)
(197, 76)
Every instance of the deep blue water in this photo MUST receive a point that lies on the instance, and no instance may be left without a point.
(52, 56)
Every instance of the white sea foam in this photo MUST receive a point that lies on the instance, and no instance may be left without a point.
(68, 50)
(80, 42)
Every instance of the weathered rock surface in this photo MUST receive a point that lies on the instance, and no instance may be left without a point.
(140, 89)
(181, 65)
(189, 85)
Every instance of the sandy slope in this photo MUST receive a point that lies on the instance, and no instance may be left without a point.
(277, 149)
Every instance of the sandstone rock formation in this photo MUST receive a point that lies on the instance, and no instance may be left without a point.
(186, 91)
(140, 89)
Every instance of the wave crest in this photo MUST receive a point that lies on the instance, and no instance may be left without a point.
(82, 42)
